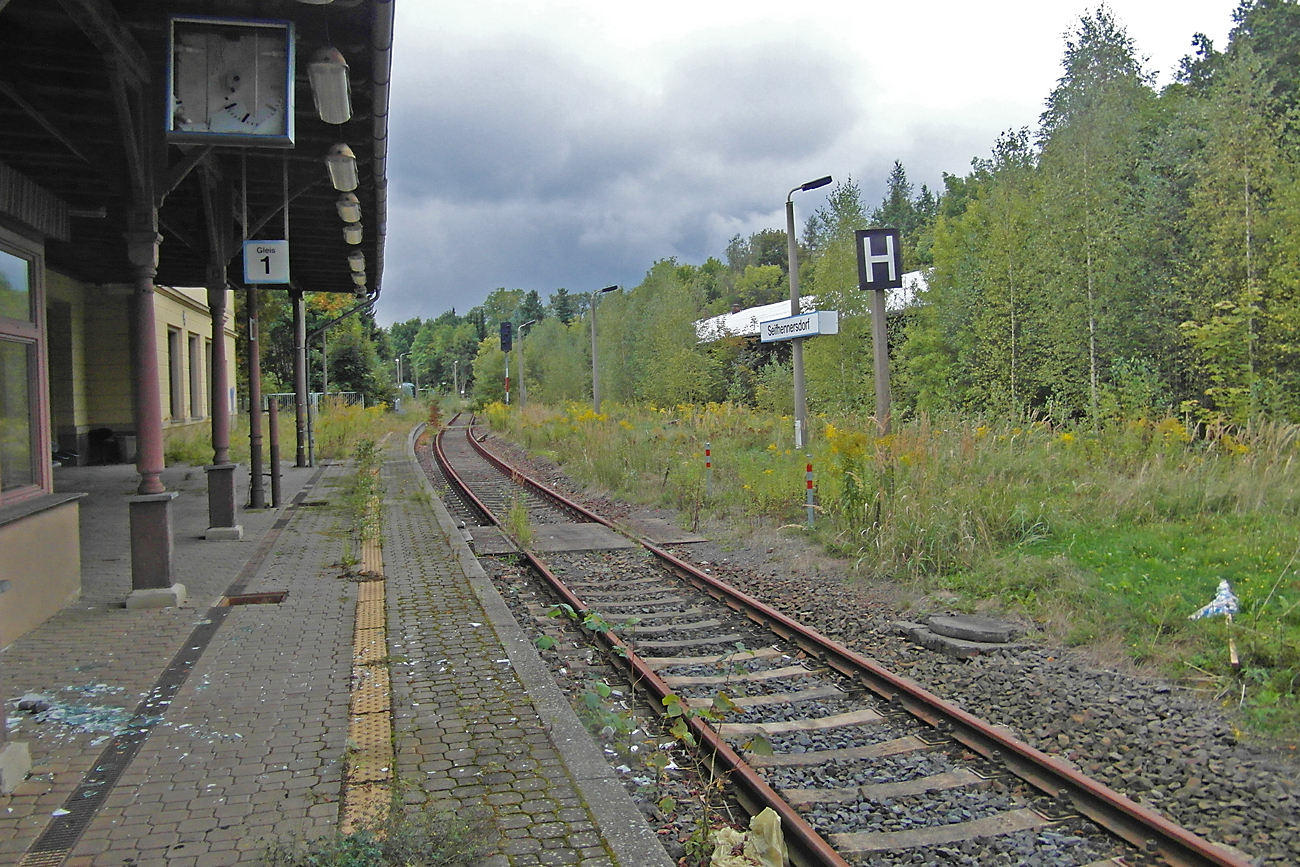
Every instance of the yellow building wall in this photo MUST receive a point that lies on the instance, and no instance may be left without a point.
(184, 311)
(66, 329)
(39, 577)
(108, 367)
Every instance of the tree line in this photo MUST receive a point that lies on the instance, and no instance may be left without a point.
(1136, 253)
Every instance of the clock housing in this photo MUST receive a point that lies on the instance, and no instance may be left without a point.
(230, 81)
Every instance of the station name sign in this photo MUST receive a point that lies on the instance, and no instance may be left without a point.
(804, 325)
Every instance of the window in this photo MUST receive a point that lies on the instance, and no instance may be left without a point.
(17, 463)
(24, 423)
(15, 287)
(196, 377)
(175, 376)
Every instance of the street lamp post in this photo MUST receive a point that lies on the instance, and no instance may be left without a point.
(595, 375)
(523, 389)
(796, 349)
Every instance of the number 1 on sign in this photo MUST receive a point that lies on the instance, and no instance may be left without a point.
(266, 261)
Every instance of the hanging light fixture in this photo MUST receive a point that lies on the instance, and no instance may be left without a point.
(330, 88)
(342, 165)
(352, 233)
(349, 207)
(359, 279)
(357, 261)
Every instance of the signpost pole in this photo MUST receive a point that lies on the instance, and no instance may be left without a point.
(880, 349)
(880, 267)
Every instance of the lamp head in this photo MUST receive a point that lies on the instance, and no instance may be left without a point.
(342, 165)
(349, 208)
(330, 88)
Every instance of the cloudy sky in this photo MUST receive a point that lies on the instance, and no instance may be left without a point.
(547, 143)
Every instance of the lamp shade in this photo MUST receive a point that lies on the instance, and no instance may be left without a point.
(357, 261)
(342, 165)
(330, 88)
(359, 279)
(349, 207)
(352, 233)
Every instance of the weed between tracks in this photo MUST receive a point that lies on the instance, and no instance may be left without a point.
(688, 794)
(1108, 537)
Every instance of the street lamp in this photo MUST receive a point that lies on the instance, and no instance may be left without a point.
(796, 350)
(595, 376)
(523, 389)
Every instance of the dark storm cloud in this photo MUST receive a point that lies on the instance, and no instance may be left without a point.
(514, 166)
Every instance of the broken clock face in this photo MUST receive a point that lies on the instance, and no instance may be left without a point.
(231, 82)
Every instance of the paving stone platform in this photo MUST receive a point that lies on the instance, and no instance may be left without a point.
(253, 745)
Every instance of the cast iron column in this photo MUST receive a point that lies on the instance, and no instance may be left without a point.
(152, 566)
(256, 488)
(300, 374)
(221, 475)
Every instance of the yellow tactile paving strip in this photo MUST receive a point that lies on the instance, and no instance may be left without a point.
(367, 784)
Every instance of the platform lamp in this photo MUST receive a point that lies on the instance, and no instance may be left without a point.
(330, 89)
(349, 208)
(595, 375)
(796, 349)
(342, 165)
(352, 233)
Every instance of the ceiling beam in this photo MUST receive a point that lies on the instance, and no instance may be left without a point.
(105, 28)
(42, 117)
(256, 225)
(172, 178)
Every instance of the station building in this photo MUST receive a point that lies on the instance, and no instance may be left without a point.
(143, 143)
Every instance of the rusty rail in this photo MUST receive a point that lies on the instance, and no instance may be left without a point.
(1123, 817)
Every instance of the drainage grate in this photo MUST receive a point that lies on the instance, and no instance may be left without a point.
(271, 597)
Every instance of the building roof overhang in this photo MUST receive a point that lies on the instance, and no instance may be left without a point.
(81, 123)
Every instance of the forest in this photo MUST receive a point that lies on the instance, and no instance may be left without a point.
(1136, 254)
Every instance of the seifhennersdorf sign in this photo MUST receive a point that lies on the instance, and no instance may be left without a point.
(804, 325)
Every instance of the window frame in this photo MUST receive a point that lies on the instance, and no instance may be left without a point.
(31, 334)
(194, 347)
(177, 407)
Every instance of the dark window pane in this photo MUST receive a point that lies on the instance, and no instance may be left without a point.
(16, 466)
(15, 296)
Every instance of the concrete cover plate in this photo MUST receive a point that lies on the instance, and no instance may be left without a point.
(577, 537)
(489, 540)
(971, 628)
(661, 532)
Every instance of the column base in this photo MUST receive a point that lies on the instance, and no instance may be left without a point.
(15, 764)
(152, 548)
(221, 504)
(157, 597)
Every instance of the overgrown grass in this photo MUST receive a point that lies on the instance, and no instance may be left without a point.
(1111, 537)
(401, 840)
(339, 427)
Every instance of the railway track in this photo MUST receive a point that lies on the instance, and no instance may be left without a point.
(862, 766)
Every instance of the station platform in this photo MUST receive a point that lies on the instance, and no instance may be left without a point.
(197, 736)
